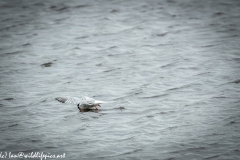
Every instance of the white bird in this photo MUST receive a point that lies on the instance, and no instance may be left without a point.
(82, 103)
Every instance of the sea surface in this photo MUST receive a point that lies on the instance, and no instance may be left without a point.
(172, 69)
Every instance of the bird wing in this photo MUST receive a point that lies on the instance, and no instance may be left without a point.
(88, 100)
(84, 100)
(91, 101)
(69, 100)
(100, 102)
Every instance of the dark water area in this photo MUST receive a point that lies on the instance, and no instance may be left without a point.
(171, 67)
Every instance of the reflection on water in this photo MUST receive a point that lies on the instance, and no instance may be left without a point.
(171, 67)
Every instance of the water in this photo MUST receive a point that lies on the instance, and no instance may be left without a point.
(173, 65)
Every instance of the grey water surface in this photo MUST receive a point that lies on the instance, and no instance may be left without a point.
(173, 65)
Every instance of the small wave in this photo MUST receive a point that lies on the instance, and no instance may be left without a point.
(58, 9)
(134, 151)
(231, 123)
(26, 44)
(156, 96)
(121, 108)
(110, 70)
(81, 6)
(99, 64)
(61, 19)
(196, 149)
(82, 37)
(211, 45)
(33, 140)
(51, 147)
(211, 157)
(218, 14)
(13, 125)
(236, 81)
(39, 4)
(112, 47)
(7, 19)
(169, 64)
(220, 97)
(171, 128)
(9, 27)
(183, 86)
(114, 11)
(48, 64)
(9, 99)
(120, 154)
(162, 34)
(199, 74)
(12, 53)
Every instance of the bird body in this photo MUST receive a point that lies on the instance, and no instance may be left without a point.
(82, 103)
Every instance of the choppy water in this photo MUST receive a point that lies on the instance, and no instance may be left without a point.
(173, 65)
